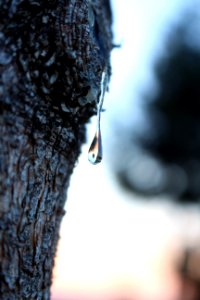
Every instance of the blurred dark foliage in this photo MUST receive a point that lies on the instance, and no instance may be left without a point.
(173, 148)
(179, 104)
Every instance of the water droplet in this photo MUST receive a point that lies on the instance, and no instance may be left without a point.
(95, 153)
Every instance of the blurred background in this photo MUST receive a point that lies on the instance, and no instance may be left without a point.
(132, 224)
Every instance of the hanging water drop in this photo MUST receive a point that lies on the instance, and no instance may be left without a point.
(95, 152)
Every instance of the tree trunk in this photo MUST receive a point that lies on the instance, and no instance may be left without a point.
(52, 55)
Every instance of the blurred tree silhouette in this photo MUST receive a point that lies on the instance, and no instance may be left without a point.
(169, 158)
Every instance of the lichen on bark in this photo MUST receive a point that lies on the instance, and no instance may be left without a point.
(52, 55)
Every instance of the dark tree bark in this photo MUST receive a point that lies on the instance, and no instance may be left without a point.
(52, 55)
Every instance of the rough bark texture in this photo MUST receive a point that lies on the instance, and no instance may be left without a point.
(52, 54)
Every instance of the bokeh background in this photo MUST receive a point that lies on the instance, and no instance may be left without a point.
(132, 224)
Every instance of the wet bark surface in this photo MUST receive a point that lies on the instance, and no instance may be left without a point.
(52, 55)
